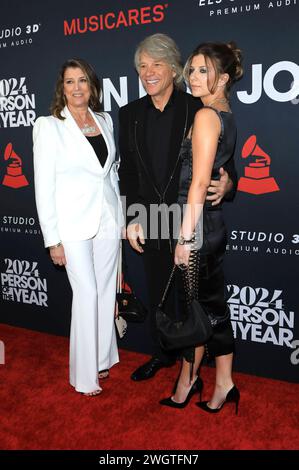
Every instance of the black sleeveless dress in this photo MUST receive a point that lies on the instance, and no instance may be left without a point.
(205, 265)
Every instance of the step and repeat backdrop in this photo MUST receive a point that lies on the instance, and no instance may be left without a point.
(263, 231)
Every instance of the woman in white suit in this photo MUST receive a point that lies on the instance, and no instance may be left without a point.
(79, 209)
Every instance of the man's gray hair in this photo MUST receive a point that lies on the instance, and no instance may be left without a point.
(162, 47)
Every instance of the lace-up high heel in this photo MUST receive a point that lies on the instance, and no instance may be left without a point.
(196, 388)
(233, 396)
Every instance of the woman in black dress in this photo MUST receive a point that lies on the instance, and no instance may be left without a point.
(210, 71)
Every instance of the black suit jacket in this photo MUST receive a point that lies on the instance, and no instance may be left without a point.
(137, 181)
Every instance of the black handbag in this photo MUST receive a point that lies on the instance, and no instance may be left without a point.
(130, 308)
(194, 330)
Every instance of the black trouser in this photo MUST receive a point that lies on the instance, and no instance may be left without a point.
(157, 265)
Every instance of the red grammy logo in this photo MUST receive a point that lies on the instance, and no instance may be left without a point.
(257, 179)
(14, 177)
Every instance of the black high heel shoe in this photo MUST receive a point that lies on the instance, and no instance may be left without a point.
(196, 388)
(233, 396)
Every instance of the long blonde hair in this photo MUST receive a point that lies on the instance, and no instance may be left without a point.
(162, 47)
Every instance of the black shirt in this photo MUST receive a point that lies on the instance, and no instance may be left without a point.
(158, 136)
(99, 145)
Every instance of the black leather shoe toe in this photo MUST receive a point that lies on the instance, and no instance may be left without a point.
(149, 369)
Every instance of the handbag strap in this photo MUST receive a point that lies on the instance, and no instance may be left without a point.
(186, 282)
(119, 270)
(167, 286)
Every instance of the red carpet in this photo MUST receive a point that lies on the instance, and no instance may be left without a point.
(39, 410)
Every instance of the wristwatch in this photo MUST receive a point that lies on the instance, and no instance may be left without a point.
(55, 246)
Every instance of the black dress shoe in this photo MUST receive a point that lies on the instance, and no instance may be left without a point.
(149, 369)
(196, 388)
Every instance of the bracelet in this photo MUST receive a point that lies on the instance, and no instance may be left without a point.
(55, 246)
(183, 241)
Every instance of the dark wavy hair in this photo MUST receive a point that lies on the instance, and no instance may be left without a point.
(225, 58)
(59, 101)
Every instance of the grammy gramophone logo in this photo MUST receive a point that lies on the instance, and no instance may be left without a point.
(14, 177)
(257, 179)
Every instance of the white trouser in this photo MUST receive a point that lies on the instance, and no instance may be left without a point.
(92, 268)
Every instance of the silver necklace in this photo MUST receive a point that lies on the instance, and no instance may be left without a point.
(86, 128)
(221, 100)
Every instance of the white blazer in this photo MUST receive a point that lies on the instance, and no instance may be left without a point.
(71, 186)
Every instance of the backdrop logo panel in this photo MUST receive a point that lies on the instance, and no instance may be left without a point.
(17, 105)
(257, 179)
(259, 315)
(17, 36)
(21, 282)
(24, 226)
(115, 20)
(268, 83)
(14, 177)
(215, 8)
(263, 243)
(294, 358)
